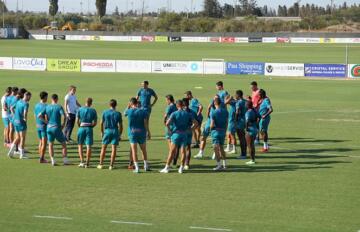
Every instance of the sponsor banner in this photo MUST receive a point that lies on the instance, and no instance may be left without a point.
(241, 40)
(98, 66)
(354, 70)
(325, 70)
(282, 69)
(283, 40)
(64, 65)
(177, 67)
(41, 37)
(78, 37)
(355, 40)
(297, 40)
(161, 39)
(327, 40)
(214, 39)
(59, 37)
(96, 37)
(227, 39)
(312, 40)
(175, 39)
(246, 68)
(194, 39)
(133, 66)
(269, 39)
(213, 67)
(147, 38)
(255, 39)
(33, 64)
(6, 63)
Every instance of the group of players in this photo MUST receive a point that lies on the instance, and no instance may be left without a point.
(226, 116)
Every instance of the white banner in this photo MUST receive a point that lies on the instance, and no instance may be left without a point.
(122, 38)
(269, 39)
(133, 66)
(281, 69)
(33, 64)
(98, 66)
(241, 40)
(6, 62)
(213, 67)
(194, 67)
(354, 70)
(79, 37)
(195, 39)
(41, 37)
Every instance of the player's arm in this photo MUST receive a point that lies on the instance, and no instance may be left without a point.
(26, 113)
(208, 110)
(102, 128)
(94, 123)
(146, 124)
(200, 109)
(64, 121)
(168, 123)
(66, 106)
(228, 99)
(78, 104)
(120, 127)
(194, 124)
(155, 99)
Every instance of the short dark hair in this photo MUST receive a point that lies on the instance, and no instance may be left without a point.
(113, 103)
(180, 103)
(170, 97)
(54, 97)
(8, 90)
(186, 101)
(239, 93)
(249, 104)
(43, 95)
(146, 82)
(254, 83)
(188, 92)
(217, 101)
(89, 101)
(22, 91)
(14, 89)
(219, 83)
(133, 101)
(72, 87)
(27, 94)
(262, 93)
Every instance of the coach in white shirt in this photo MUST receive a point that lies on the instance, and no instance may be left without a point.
(70, 107)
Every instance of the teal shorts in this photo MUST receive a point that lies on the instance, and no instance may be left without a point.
(264, 124)
(55, 133)
(252, 131)
(137, 138)
(231, 128)
(167, 133)
(20, 127)
(179, 139)
(111, 136)
(41, 133)
(85, 136)
(218, 137)
(189, 138)
(6, 122)
(206, 130)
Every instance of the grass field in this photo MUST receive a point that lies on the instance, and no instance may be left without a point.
(308, 182)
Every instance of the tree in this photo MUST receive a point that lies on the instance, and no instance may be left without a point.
(3, 7)
(101, 7)
(212, 9)
(116, 12)
(53, 7)
(228, 10)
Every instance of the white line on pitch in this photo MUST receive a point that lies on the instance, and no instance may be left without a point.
(132, 223)
(208, 228)
(53, 217)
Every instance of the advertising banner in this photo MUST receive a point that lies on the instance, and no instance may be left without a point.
(98, 66)
(194, 39)
(213, 67)
(312, 40)
(161, 39)
(283, 40)
(78, 37)
(282, 69)
(59, 37)
(354, 70)
(327, 40)
(246, 68)
(133, 66)
(355, 40)
(269, 39)
(64, 65)
(227, 39)
(175, 39)
(32, 64)
(255, 39)
(325, 70)
(6, 63)
(41, 37)
(241, 40)
(297, 40)
(214, 39)
(96, 38)
(147, 38)
(177, 67)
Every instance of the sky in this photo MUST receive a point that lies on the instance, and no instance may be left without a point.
(150, 5)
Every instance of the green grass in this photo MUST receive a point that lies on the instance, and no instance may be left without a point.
(308, 182)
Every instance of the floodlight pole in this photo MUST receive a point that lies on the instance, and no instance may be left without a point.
(3, 14)
(347, 59)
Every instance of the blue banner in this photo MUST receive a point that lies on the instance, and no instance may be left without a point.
(325, 70)
(246, 68)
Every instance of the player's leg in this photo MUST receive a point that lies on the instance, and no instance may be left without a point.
(14, 145)
(102, 156)
(43, 143)
(22, 144)
(183, 154)
(222, 152)
(88, 155)
(81, 156)
(51, 153)
(250, 140)
(145, 156)
(64, 153)
(81, 141)
(113, 156)
(264, 126)
(133, 147)
(242, 141)
(170, 158)
(232, 137)
(205, 134)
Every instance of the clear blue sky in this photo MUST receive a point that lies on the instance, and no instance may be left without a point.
(151, 5)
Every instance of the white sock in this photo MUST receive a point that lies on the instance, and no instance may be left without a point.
(136, 164)
(228, 146)
(166, 166)
(21, 151)
(12, 147)
(201, 152)
(52, 160)
(218, 163)
(265, 145)
(145, 164)
(224, 163)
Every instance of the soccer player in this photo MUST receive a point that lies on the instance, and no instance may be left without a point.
(265, 109)
(86, 120)
(52, 115)
(111, 130)
(171, 108)
(41, 125)
(5, 116)
(10, 101)
(222, 93)
(193, 116)
(218, 125)
(144, 96)
(180, 121)
(71, 105)
(255, 98)
(138, 130)
(20, 125)
(231, 147)
(251, 121)
(240, 122)
(196, 107)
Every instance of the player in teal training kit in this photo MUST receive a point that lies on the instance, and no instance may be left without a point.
(171, 108)
(240, 121)
(251, 121)
(10, 101)
(53, 114)
(219, 122)
(265, 109)
(111, 130)
(41, 125)
(231, 147)
(86, 120)
(20, 124)
(138, 132)
(189, 132)
(144, 96)
(197, 108)
(5, 116)
(180, 121)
